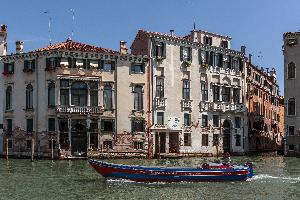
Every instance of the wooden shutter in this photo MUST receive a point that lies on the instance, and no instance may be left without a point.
(13, 67)
(113, 65)
(190, 54)
(164, 54)
(143, 67)
(181, 53)
(221, 60)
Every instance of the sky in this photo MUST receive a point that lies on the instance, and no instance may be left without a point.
(257, 24)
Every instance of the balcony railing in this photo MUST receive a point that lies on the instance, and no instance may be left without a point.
(160, 103)
(205, 106)
(186, 104)
(223, 107)
(79, 109)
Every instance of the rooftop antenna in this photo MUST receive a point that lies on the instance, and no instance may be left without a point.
(73, 21)
(49, 25)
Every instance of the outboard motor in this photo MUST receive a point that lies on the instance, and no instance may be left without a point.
(250, 166)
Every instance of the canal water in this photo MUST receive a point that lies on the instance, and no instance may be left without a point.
(276, 178)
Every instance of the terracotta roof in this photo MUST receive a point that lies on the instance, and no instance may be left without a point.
(149, 33)
(75, 46)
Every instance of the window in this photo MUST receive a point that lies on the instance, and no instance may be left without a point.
(236, 95)
(216, 92)
(50, 142)
(51, 124)
(291, 130)
(138, 145)
(237, 140)
(29, 65)
(237, 122)
(8, 98)
(185, 53)
(291, 70)
(204, 120)
(138, 98)
(291, 106)
(9, 68)
(207, 40)
(94, 94)
(186, 89)
(9, 126)
(187, 139)
(215, 139)
(204, 139)
(28, 144)
(226, 61)
(51, 94)
(108, 144)
(107, 66)
(291, 147)
(29, 96)
(187, 119)
(79, 93)
(137, 125)
(137, 68)
(160, 50)
(224, 44)
(29, 125)
(64, 97)
(159, 87)
(204, 91)
(160, 118)
(216, 120)
(226, 94)
(52, 63)
(219, 60)
(107, 125)
(72, 62)
(107, 97)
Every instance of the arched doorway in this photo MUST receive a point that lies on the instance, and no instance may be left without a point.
(226, 135)
(79, 137)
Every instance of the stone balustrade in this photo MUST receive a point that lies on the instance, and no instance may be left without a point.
(79, 109)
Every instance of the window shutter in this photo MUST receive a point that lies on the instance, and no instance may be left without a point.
(200, 56)
(132, 70)
(241, 64)
(84, 63)
(47, 62)
(154, 50)
(190, 54)
(5, 67)
(132, 125)
(25, 64)
(57, 62)
(113, 65)
(229, 61)
(221, 60)
(164, 54)
(181, 53)
(101, 64)
(143, 67)
(70, 62)
(211, 58)
(33, 64)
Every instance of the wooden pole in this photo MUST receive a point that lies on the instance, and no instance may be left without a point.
(52, 148)
(32, 149)
(6, 149)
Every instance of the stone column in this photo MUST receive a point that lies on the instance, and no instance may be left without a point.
(57, 92)
(88, 126)
(89, 96)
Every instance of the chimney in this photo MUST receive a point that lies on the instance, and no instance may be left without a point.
(250, 58)
(123, 48)
(19, 47)
(172, 32)
(194, 36)
(243, 49)
(3, 44)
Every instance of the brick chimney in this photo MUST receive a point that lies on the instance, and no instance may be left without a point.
(194, 35)
(3, 44)
(19, 47)
(243, 49)
(123, 48)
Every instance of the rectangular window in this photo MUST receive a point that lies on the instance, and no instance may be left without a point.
(187, 139)
(237, 140)
(216, 92)
(138, 98)
(224, 44)
(291, 130)
(9, 126)
(187, 119)
(107, 125)
(216, 120)
(64, 97)
(29, 65)
(137, 125)
(219, 60)
(204, 91)
(51, 124)
(160, 118)
(207, 40)
(291, 106)
(137, 68)
(186, 89)
(72, 62)
(204, 139)
(108, 66)
(159, 87)
(236, 95)
(9, 68)
(138, 145)
(160, 50)
(94, 98)
(52, 63)
(107, 144)
(226, 94)
(28, 144)
(29, 125)
(204, 120)
(186, 53)
(237, 122)
(216, 139)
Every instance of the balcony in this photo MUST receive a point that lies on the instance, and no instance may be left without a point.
(205, 106)
(228, 107)
(79, 109)
(160, 103)
(186, 104)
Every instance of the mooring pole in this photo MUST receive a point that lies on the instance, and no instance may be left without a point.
(52, 148)
(6, 148)
(32, 149)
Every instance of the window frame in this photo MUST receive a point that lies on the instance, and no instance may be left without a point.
(204, 120)
(186, 89)
(288, 107)
(294, 70)
(205, 140)
(187, 139)
(8, 98)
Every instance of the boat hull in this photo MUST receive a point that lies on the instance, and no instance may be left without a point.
(161, 174)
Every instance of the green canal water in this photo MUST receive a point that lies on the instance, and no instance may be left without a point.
(276, 178)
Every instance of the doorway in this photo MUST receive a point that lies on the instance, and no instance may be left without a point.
(226, 135)
(79, 138)
(160, 143)
(174, 142)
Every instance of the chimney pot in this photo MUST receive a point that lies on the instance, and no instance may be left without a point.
(243, 49)
(172, 32)
(19, 47)
(123, 48)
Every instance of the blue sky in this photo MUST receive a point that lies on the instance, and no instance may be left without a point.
(258, 24)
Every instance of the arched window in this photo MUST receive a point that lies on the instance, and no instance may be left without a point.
(107, 97)
(8, 98)
(51, 94)
(291, 106)
(291, 70)
(138, 97)
(79, 94)
(29, 96)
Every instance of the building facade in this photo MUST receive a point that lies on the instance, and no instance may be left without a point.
(61, 101)
(265, 110)
(291, 52)
(197, 93)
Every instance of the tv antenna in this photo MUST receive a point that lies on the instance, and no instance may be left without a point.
(72, 10)
(49, 25)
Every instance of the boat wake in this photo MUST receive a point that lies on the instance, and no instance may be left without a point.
(267, 176)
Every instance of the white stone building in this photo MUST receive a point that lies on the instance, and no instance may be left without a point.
(291, 52)
(197, 93)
